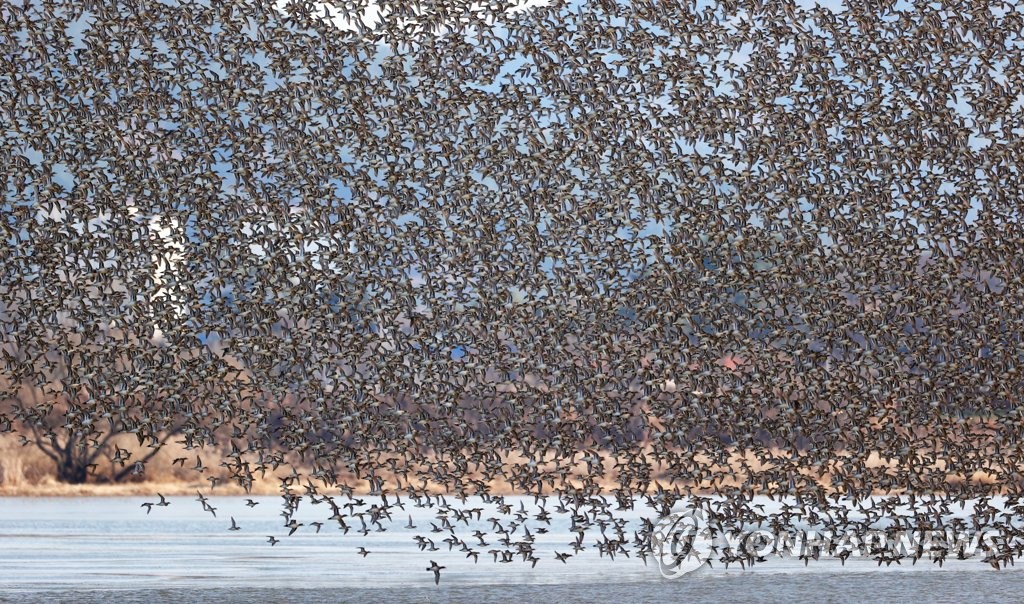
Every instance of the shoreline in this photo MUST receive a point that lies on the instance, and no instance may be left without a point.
(27, 473)
(141, 489)
(151, 489)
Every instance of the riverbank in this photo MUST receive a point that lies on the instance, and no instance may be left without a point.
(53, 488)
(26, 472)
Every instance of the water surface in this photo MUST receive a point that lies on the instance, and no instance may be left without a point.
(109, 549)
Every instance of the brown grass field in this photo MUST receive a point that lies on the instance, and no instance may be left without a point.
(26, 471)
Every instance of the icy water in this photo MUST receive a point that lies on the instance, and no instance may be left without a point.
(110, 550)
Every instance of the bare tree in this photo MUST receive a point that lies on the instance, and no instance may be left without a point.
(83, 445)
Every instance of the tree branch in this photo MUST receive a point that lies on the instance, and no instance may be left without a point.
(128, 469)
(101, 446)
(49, 449)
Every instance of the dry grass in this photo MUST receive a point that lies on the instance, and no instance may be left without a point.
(26, 471)
(52, 488)
(22, 467)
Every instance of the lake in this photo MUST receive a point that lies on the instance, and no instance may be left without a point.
(109, 549)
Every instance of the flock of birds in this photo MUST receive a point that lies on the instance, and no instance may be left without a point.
(604, 251)
(735, 530)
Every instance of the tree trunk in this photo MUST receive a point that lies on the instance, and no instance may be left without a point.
(71, 472)
(73, 461)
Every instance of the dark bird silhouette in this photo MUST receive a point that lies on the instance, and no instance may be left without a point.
(635, 257)
(434, 568)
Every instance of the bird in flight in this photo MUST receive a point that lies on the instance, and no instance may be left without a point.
(436, 569)
(792, 278)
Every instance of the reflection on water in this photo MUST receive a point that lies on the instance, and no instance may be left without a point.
(104, 549)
